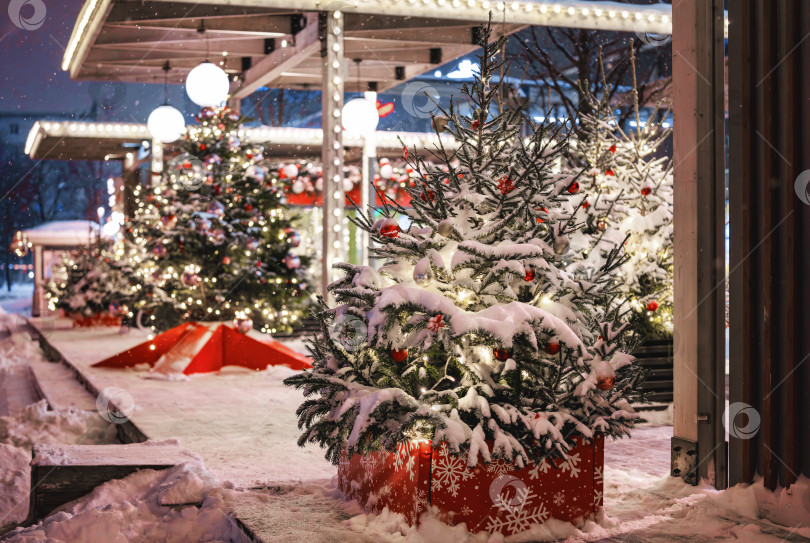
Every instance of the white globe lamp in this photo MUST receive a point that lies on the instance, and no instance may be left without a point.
(166, 124)
(207, 85)
(360, 117)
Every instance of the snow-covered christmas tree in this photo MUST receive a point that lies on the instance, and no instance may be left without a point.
(215, 240)
(629, 192)
(471, 333)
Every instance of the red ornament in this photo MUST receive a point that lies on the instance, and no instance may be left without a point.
(475, 124)
(530, 275)
(399, 355)
(429, 194)
(501, 354)
(652, 306)
(389, 230)
(505, 185)
(605, 383)
(226, 260)
(646, 191)
(551, 348)
(248, 207)
(187, 165)
(574, 188)
(613, 148)
(585, 204)
(538, 219)
(217, 190)
(202, 147)
(610, 173)
(405, 152)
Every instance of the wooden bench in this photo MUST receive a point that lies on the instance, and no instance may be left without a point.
(63, 473)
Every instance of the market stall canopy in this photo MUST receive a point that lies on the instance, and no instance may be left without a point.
(62, 234)
(101, 141)
(270, 43)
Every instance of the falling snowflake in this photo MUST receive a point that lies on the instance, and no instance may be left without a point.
(499, 467)
(511, 519)
(466, 510)
(448, 471)
(542, 467)
(559, 498)
(570, 465)
(420, 501)
(404, 458)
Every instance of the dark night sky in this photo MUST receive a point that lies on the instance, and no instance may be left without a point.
(33, 80)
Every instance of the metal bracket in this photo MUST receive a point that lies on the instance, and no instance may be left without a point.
(684, 460)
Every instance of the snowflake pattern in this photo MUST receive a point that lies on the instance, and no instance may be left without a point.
(420, 501)
(343, 471)
(559, 498)
(541, 467)
(597, 498)
(570, 465)
(448, 471)
(369, 464)
(466, 510)
(500, 467)
(404, 459)
(512, 519)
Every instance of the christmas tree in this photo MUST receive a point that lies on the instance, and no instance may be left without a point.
(215, 240)
(630, 188)
(471, 333)
(90, 282)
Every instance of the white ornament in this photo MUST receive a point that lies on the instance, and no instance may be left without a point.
(386, 171)
(297, 186)
(166, 124)
(207, 85)
(347, 185)
(290, 171)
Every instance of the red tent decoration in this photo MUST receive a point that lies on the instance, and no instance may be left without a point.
(206, 347)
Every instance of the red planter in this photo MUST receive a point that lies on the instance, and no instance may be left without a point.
(495, 497)
(99, 319)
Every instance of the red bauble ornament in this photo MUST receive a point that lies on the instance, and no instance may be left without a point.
(217, 190)
(585, 204)
(389, 230)
(399, 355)
(652, 306)
(613, 148)
(505, 185)
(551, 348)
(202, 147)
(574, 188)
(259, 264)
(226, 260)
(646, 191)
(475, 124)
(530, 275)
(248, 207)
(187, 165)
(538, 219)
(429, 194)
(605, 383)
(501, 354)
(610, 173)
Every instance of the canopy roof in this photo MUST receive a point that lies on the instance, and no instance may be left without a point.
(72, 140)
(62, 233)
(271, 43)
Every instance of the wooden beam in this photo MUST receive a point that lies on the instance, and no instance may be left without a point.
(699, 308)
(264, 72)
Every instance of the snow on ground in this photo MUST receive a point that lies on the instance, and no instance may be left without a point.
(181, 504)
(244, 427)
(18, 299)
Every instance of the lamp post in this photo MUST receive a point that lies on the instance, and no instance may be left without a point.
(360, 117)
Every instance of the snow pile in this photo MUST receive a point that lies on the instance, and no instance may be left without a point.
(36, 424)
(179, 504)
(15, 480)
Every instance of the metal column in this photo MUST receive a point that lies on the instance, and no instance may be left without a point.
(330, 32)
